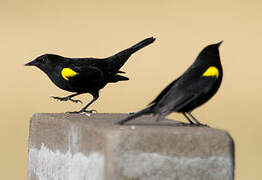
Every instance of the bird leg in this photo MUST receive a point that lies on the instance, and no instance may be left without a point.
(196, 121)
(83, 110)
(190, 122)
(68, 98)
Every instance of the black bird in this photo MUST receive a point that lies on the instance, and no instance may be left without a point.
(85, 75)
(195, 87)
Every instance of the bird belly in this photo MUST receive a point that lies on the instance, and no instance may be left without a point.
(73, 86)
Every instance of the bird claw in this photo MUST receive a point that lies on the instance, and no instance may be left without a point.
(190, 124)
(88, 112)
(202, 125)
(66, 99)
(182, 124)
(76, 101)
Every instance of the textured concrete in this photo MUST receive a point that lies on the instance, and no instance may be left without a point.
(81, 147)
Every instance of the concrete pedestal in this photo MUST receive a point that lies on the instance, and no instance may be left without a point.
(81, 147)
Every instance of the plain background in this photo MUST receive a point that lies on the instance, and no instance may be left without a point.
(102, 28)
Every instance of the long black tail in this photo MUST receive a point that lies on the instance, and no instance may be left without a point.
(147, 110)
(118, 60)
(138, 46)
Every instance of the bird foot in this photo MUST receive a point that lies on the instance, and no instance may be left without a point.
(87, 112)
(182, 124)
(202, 125)
(66, 99)
(190, 124)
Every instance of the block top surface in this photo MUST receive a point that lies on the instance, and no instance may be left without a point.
(108, 121)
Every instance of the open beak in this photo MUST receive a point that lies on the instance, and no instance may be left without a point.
(32, 63)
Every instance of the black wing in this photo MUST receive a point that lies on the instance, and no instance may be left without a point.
(86, 75)
(182, 94)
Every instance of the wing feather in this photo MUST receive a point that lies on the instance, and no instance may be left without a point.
(182, 94)
(86, 74)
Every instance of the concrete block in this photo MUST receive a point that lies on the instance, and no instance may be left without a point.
(81, 147)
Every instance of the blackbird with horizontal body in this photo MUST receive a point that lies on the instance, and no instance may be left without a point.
(195, 87)
(85, 75)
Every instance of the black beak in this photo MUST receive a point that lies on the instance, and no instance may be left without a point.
(32, 63)
(218, 44)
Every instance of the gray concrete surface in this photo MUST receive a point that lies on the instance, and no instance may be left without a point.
(81, 147)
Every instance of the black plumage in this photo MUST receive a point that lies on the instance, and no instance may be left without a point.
(196, 86)
(85, 75)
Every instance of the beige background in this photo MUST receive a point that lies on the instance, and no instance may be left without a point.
(102, 28)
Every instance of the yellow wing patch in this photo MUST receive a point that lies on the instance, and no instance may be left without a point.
(67, 73)
(211, 71)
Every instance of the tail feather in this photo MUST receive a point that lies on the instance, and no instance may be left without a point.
(147, 110)
(117, 78)
(140, 45)
(118, 60)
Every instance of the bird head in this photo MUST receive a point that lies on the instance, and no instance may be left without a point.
(45, 62)
(211, 49)
(210, 54)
